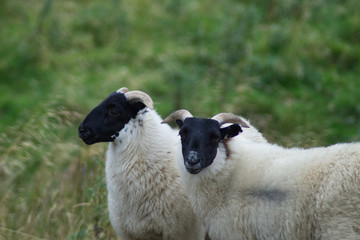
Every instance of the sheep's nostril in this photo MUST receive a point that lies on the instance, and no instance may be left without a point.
(83, 132)
(193, 158)
(192, 163)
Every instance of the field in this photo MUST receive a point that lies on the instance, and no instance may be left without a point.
(291, 67)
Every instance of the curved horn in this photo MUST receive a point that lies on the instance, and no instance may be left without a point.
(223, 118)
(123, 90)
(138, 96)
(178, 115)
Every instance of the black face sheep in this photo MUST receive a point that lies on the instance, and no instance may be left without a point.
(243, 189)
(146, 199)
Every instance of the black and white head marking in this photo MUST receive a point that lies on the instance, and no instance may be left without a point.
(200, 140)
(105, 121)
(200, 137)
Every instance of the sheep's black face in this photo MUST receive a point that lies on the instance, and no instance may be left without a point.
(200, 140)
(105, 121)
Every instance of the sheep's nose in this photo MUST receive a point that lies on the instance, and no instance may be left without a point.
(192, 162)
(193, 158)
(83, 132)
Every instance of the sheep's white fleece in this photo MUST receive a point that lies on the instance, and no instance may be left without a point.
(251, 133)
(264, 191)
(146, 199)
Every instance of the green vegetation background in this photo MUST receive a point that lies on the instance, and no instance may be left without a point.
(291, 67)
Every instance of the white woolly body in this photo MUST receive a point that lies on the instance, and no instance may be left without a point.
(146, 199)
(264, 191)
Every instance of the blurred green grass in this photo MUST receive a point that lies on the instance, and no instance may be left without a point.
(290, 67)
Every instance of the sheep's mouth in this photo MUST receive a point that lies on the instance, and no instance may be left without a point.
(89, 141)
(88, 138)
(193, 168)
(193, 171)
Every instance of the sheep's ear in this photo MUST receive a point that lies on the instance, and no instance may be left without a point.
(230, 131)
(179, 122)
(136, 107)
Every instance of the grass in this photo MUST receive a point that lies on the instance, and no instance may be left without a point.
(291, 68)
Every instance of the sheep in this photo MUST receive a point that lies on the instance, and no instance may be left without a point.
(242, 189)
(146, 199)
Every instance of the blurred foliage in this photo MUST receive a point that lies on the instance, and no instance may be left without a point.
(290, 67)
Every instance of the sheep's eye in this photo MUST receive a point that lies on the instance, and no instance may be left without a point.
(114, 112)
